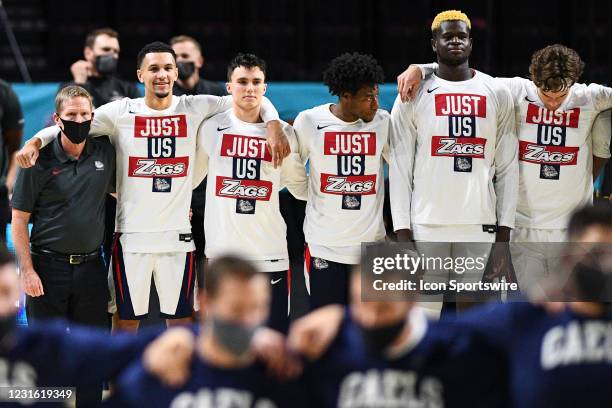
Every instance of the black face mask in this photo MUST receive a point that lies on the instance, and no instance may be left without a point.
(378, 339)
(106, 64)
(185, 69)
(592, 284)
(76, 131)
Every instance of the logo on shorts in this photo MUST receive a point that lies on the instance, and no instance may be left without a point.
(319, 263)
(99, 165)
(275, 281)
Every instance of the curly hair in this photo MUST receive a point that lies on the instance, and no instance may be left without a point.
(350, 72)
(248, 61)
(555, 68)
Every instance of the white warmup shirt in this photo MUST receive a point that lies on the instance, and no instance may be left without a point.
(459, 136)
(346, 182)
(242, 214)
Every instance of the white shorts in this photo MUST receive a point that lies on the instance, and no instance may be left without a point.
(536, 256)
(450, 241)
(130, 275)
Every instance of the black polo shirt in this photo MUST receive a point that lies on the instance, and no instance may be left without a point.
(66, 196)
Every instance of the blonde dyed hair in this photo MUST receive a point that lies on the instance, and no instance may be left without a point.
(450, 15)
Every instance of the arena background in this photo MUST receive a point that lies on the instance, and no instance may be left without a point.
(297, 38)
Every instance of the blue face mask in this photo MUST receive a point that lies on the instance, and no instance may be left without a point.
(234, 337)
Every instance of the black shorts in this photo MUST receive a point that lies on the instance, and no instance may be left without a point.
(327, 282)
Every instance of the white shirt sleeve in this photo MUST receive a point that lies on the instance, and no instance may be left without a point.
(102, 124)
(402, 150)
(105, 118)
(602, 96)
(427, 69)
(506, 161)
(301, 127)
(514, 84)
(200, 165)
(47, 135)
(210, 105)
(293, 172)
(600, 134)
(268, 111)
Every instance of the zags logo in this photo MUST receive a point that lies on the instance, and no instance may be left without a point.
(160, 126)
(246, 189)
(533, 153)
(354, 185)
(458, 146)
(159, 167)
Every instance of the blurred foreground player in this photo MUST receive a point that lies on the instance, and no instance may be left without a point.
(386, 354)
(47, 355)
(345, 144)
(242, 214)
(561, 360)
(224, 372)
(155, 139)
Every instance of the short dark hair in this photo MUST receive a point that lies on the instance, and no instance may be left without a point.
(249, 61)
(555, 68)
(225, 267)
(350, 72)
(91, 37)
(587, 217)
(156, 46)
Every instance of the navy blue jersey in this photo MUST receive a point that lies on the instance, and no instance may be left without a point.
(442, 367)
(562, 360)
(46, 355)
(208, 387)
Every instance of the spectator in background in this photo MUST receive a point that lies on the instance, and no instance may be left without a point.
(11, 129)
(189, 61)
(97, 74)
